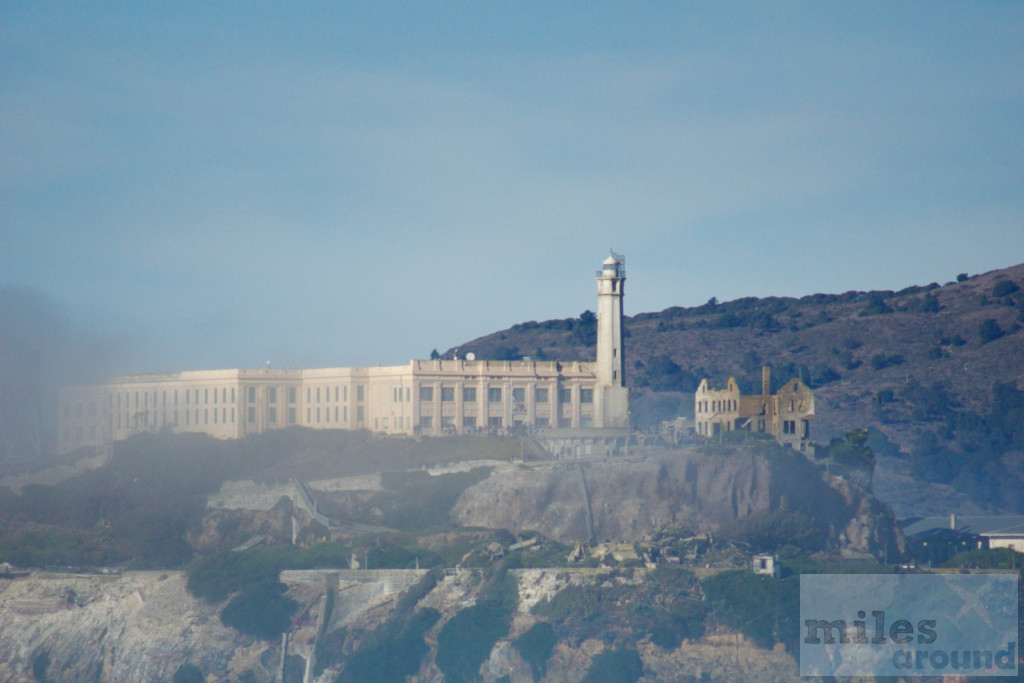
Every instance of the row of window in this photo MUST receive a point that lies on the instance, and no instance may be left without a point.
(469, 422)
(340, 394)
(495, 395)
(724, 406)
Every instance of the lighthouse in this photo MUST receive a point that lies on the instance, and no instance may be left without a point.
(612, 396)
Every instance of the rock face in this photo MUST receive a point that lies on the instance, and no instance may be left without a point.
(137, 627)
(629, 498)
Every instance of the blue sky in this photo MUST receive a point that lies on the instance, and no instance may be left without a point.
(318, 184)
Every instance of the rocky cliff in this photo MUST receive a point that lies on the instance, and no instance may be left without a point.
(703, 489)
(137, 627)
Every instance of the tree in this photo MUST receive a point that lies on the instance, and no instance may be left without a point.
(434, 355)
(989, 331)
(1005, 288)
(584, 331)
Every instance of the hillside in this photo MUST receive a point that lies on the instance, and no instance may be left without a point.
(920, 366)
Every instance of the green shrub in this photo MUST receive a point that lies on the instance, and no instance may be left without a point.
(261, 610)
(465, 642)
(40, 663)
(1005, 288)
(392, 652)
(216, 576)
(615, 666)
(535, 646)
(188, 673)
(685, 621)
(763, 609)
(989, 330)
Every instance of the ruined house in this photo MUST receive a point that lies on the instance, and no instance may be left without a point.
(786, 414)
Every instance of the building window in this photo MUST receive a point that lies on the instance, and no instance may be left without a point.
(565, 395)
(214, 395)
(273, 415)
(206, 396)
(214, 416)
(291, 416)
(335, 413)
(586, 421)
(232, 415)
(291, 394)
(447, 394)
(586, 395)
(494, 396)
(427, 422)
(119, 419)
(272, 395)
(252, 394)
(519, 395)
(540, 395)
(344, 393)
(469, 422)
(360, 392)
(318, 394)
(206, 416)
(232, 394)
(318, 415)
(384, 423)
(448, 421)
(360, 414)
(252, 414)
(426, 393)
(335, 394)
(495, 422)
(175, 398)
(469, 394)
(344, 413)
(309, 395)
(542, 423)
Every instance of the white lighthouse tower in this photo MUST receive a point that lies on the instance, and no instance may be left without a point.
(612, 397)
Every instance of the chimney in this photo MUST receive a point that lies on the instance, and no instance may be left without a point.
(952, 522)
(766, 381)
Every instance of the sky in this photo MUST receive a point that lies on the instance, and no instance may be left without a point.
(218, 185)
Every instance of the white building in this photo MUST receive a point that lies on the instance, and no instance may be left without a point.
(428, 397)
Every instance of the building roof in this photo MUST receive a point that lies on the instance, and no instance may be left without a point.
(983, 525)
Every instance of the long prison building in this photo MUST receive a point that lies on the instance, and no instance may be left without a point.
(428, 397)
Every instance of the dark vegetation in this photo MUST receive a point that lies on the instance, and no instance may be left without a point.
(466, 639)
(666, 607)
(141, 508)
(981, 454)
(188, 673)
(416, 501)
(763, 609)
(535, 647)
(392, 652)
(615, 666)
(258, 605)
